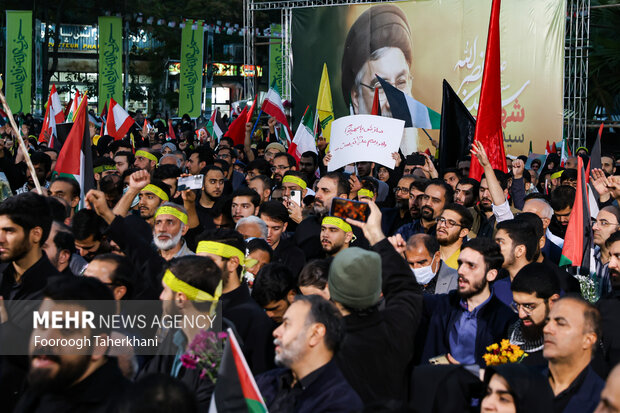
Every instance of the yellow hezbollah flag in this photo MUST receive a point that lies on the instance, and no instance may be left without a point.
(324, 105)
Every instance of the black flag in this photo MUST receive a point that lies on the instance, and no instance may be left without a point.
(458, 127)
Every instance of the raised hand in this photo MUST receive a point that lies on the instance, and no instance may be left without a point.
(518, 166)
(139, 179)
(478, 151)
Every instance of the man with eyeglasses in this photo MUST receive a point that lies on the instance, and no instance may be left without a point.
(534, 292)
(436, 196)
(282, 163)
(453, 225)
(607, 222)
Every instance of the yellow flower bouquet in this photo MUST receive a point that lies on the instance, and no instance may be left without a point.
(503, 353)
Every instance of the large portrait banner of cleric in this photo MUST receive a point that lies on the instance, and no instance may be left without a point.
(414, 45)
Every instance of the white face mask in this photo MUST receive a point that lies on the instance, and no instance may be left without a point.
(425, 274)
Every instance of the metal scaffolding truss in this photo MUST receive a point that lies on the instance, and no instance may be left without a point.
(576, 46)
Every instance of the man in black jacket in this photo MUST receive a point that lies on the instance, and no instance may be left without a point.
(71, 378)
(378, 345)
(463, 323)
(305, 346)
(25, 224)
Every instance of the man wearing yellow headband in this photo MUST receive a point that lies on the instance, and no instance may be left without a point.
(336, 235)
(145, 159)
(169, 229)
(192, 288)
(294, 181)
(227, 249)
(151, 193)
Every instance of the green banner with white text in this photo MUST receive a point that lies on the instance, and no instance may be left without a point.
(275, 56)
(110, 60)
(190, 90)
(18, 60)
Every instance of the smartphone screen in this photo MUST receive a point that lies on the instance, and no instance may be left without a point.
(190, 182)
(346, 208)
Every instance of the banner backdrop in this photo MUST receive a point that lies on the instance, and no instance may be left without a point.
(415, 45)
(190, 91)
(275, 57)
(18, 60)
(110, 60)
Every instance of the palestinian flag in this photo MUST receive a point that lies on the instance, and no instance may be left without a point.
(304, 137)
(405, 107)
(75, 158)
(272, 105)
(577, 252)
(236, 390)
(118, 122)
(215, 126)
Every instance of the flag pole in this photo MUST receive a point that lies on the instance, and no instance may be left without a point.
(426, 133)
(22, 145)
(256, 123)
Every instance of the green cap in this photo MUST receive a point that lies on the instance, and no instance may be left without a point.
(355, 278)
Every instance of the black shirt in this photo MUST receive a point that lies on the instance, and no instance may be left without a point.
(561, 400)
(289, 390)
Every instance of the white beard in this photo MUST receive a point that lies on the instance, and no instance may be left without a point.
(170, 243)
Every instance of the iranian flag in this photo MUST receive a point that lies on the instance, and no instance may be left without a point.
(236, 390)
(215, 126)
(304, 137)
(73, 107)
(53, 116)
(75, 159)
(272, 105)
(118, 121)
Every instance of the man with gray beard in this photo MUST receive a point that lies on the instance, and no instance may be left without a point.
(169, 228)
(309, 380)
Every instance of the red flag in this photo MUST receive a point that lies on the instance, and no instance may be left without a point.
(236, 130)
(547, 149)
(554, 148)
(251, 112)
(171, 133)
(488, 122)
(376, 106)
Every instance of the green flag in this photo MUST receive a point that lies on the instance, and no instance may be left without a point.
(110, 60)
(18, 60)
(190, 90)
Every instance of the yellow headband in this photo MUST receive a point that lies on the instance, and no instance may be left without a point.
(365, 192)
(147, 155)
(192, 293)
(337, 222)
(290, 179)
(168, 210)
(157, 191)
(220, 249)
(557, 174)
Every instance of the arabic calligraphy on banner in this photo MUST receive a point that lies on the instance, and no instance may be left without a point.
(190, 90)
(448, 41)
(19, 60)
(110, 60)
(364, 138)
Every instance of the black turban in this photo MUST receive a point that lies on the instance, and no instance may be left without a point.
(380, 26)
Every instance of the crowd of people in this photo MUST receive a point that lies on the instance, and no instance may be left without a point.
(333, 314)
